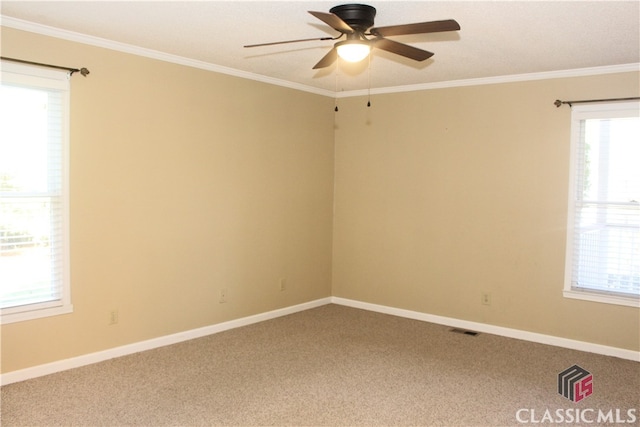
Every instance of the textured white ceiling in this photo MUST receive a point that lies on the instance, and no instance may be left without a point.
(497, 38)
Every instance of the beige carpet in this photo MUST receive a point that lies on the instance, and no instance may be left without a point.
(331, 366)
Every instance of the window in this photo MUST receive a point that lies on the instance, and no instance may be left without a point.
(603, 242)
(34, 261)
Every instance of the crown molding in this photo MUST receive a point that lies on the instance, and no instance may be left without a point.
(578, 72)
(45, 30)
(32, 27)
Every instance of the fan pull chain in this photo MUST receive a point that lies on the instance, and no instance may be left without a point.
(336, 92)
(369, 89)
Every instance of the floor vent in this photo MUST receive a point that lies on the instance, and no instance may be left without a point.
(465, 332)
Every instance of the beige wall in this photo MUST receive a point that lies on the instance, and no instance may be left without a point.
(183, 182)
(186, 181)
(444, 194)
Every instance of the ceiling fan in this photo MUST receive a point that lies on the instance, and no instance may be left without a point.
(355, 21)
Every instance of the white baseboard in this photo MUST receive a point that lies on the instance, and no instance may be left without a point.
(495, 330)
(100, 356)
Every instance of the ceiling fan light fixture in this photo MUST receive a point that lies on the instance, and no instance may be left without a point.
(353, 50)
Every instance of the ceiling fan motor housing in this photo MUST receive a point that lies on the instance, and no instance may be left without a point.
(359, 16)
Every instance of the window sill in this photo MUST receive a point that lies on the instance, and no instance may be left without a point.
(35, 314)
(602, 298)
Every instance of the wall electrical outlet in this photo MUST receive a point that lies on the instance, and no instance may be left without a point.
(486, 298)
(113, 317)
(223, 296)
(283, 284)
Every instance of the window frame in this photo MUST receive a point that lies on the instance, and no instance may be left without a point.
(36, 77)
(578, 114)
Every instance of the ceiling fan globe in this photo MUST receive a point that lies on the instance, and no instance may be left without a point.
(353, 50)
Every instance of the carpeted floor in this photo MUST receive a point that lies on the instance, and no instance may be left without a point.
(330, 366)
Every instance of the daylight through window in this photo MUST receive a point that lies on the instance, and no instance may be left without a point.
(33, 193)
(603, 256)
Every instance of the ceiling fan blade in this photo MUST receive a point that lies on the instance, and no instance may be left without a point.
(402, 49)
(333, 21)
(419, 28)
(328, 59)
(289, 41)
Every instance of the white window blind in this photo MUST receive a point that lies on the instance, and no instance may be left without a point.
(603, 244)
(34, 261)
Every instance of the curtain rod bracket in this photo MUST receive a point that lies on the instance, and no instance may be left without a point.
(82, 71)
